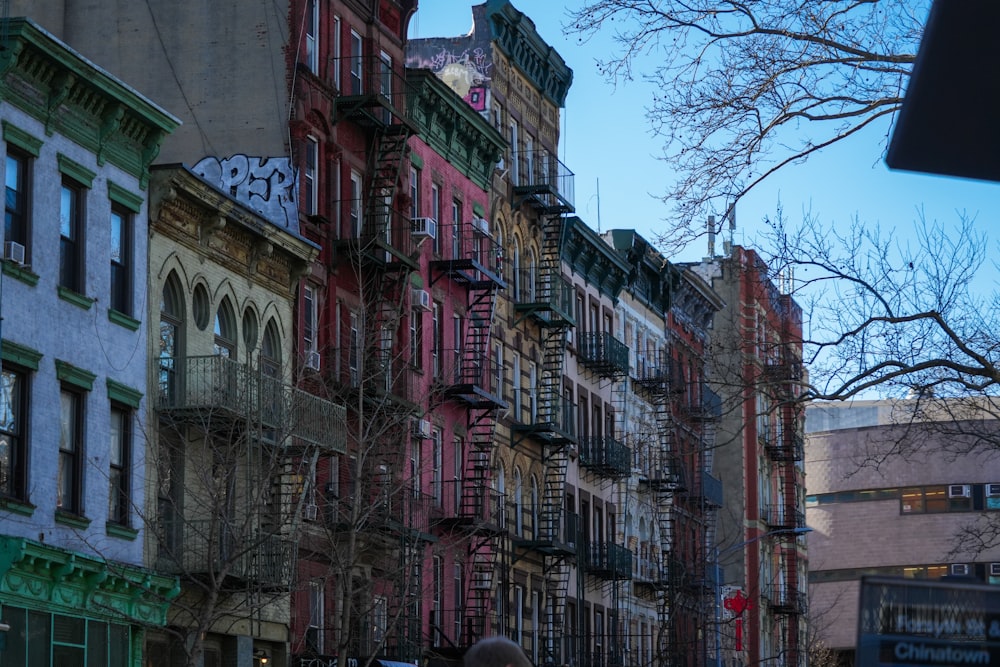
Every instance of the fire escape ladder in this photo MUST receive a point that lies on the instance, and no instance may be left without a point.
(476, 351)
(556, 527)
(483, 557)
(667, 593)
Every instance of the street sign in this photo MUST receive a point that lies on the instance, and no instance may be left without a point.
(918, 623)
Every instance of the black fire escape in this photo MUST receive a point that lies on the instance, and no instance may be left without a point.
(546, 298)
(470, 256)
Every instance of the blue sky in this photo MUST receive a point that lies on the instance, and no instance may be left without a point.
(606, 141)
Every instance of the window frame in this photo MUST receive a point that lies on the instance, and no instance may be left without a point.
(72, 241)
(310, 176)
(15, 469)
(121, 290)
(17, 219)
(357, 63)
(119, 477)
(69, 487)
(312, 39)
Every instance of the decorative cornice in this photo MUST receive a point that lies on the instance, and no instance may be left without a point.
(590, 256)
(33, 574)
(517, 37)
(49, 81)
(452, 128)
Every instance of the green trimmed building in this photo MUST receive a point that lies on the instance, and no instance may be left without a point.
(77, 144)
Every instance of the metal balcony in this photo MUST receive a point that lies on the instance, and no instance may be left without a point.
(785, 599)
(605, 456)
(376, 373)
(603, 353)
(206, 548)
(555, 423)
(468, 254)
(704, 404)
(215, 390)
(559, 533)
(542, 181)
(780, 516)
(786, 446)
(372, 94)
(662, 471)
(383, 239)
(400, 509)
(548, 299)
(649, 572)
(473, 379)
(467, 505)
(608, 560)
(705, 487)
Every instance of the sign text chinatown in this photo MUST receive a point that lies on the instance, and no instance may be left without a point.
(917, 623)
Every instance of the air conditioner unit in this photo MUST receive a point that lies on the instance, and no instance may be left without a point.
(959, 570)
(13, 252)
(420, 299)
(309, 512)
(993, 490)
(422, 428)
(958, 491)
(313, 360)
(330, 489)
(995, 569)
(481, 225)
(423, 228)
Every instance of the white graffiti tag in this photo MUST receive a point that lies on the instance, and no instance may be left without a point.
(265, 184)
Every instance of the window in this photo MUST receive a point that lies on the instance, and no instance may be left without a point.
(935, 499)
(436, 212)
(121, 260)
(71, 236)
(518, 613)
(225, 330)
(417, 340)
(310, 196)
(498, 362)
(518, 503)
(69, 488)
(171, 309)
(270, 351)
(336, 52)
(533, 391)
(354, 351)
(17, 197)
(121, 456)
(13, 438)
(355, 205)
(309, 316)
(437, 465)
(357, 63)
(312, 35)
(456, 220)
(314, 631)
(414, 192)
(536, 625)
(515, 173)
(437, 593)
(437, 343)
(385, 83)
(457, 327)
(459, 597)
(516, 387)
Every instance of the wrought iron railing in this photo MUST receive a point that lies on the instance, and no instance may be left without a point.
(219, 388)
(601, 351)
(609, 560)
(606, 455)
(539, 172)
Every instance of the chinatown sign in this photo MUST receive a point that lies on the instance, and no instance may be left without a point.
(918, 623)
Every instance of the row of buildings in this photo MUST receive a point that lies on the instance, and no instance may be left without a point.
(340, 377)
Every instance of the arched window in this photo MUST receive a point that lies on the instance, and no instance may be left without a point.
(225, 330)
(518, 503)
(501, 494)
(529, 275)
(270, 351)
(171, 321)
(515, 270)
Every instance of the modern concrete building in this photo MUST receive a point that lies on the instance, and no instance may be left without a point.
(891, 484)
(77, 144)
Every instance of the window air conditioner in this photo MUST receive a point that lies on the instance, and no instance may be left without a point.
(423, 228)
(313, 360)
(958, 491)
(481, 225)
(993, 490)
(330, 489)
(422, 428)
(959, 570)
(13, 252)
(995, 569)
(420, 299)
(309, 512)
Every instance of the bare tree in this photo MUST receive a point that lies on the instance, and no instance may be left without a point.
(737, 81)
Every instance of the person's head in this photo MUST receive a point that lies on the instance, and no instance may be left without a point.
(495, 652)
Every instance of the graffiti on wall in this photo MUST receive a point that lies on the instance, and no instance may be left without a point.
(265, 184)
(466, 72)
